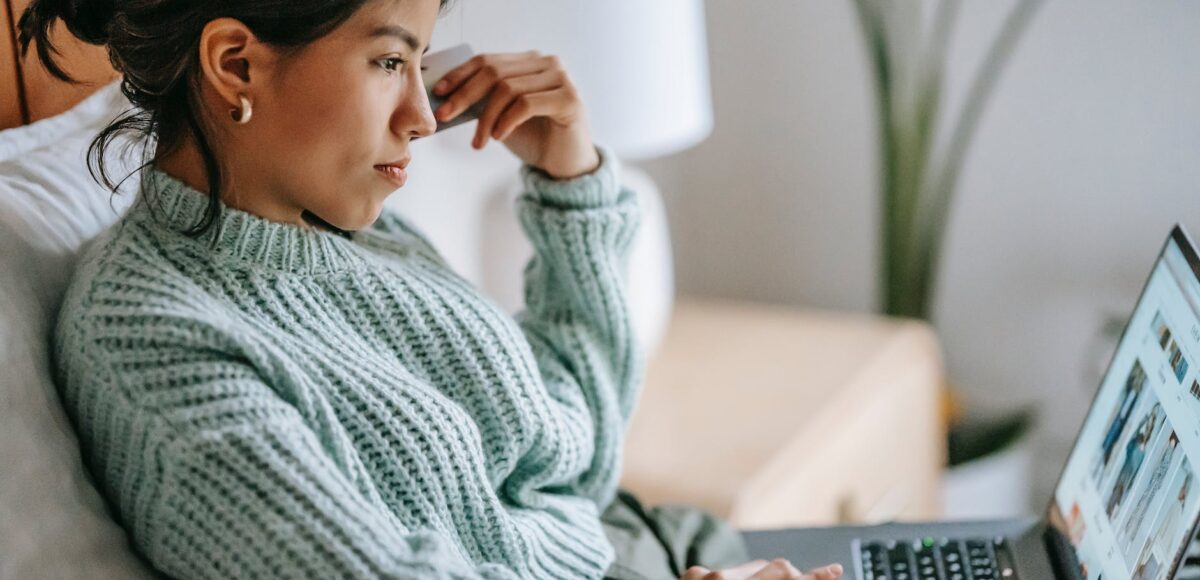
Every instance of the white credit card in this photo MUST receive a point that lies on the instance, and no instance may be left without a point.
(436, 65)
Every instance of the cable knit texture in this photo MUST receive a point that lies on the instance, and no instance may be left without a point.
(270, 400)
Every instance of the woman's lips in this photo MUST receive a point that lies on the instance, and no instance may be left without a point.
(393, 173)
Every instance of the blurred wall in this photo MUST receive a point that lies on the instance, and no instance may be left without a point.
(1087, 153)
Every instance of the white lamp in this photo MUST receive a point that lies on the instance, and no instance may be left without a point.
(642, 66)
(642, 69)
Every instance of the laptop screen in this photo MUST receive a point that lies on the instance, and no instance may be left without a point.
(1129, 495)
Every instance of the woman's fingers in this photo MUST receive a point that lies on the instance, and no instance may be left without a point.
(521, 89)
(745, 570)
(700, 573)
(778, 569)
(515, 100)
(830, 572)
(455, 76)
(472, 80)
(549, 104)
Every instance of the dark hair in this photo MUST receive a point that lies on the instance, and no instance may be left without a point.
(154, 45)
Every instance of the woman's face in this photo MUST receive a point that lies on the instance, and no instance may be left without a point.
(326, 116)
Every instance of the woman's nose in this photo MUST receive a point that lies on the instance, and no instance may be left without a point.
(427, 124)
(414, 116)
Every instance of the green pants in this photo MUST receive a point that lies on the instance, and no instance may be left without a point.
(664, 541)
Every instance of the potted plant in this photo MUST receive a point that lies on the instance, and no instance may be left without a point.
(920, 166)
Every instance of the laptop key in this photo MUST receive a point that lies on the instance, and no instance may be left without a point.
(900, 555)
(875, 563)
(1004, 558)
(928, 564)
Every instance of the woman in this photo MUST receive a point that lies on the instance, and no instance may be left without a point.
(271, 375)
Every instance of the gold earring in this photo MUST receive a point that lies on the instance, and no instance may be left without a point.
(242, 116)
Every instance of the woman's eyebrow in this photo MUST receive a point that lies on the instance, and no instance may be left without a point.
(399, 32)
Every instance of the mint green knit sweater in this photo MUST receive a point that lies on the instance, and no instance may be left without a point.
(277, 401)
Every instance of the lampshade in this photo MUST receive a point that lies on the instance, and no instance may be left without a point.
(640, 65)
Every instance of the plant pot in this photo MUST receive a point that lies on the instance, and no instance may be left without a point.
(991, 467)
(995, 486)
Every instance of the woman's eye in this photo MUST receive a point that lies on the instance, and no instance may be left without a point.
(390, 64)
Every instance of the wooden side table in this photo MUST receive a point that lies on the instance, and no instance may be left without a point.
(773, 416)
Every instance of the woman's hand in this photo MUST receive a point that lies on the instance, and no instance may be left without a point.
(777, 569)
(532, 107)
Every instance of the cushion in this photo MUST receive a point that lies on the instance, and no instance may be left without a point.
(53, 521)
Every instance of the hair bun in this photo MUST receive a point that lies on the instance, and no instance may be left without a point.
(89, 19)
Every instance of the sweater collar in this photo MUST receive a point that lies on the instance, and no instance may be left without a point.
(243, 237)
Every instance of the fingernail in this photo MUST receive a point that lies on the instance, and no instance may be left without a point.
(440, 86)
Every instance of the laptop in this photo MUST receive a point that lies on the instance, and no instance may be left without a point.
(1127, 501)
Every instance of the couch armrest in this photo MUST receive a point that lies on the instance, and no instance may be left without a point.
(773, 416)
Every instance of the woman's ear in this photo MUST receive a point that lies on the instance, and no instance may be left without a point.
(232, 59)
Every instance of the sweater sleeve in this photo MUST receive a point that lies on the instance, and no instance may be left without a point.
(576, 314)
(216, 475)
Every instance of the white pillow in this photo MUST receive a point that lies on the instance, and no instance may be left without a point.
(53, 521)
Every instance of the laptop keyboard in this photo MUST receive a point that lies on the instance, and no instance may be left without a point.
(937, 559)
